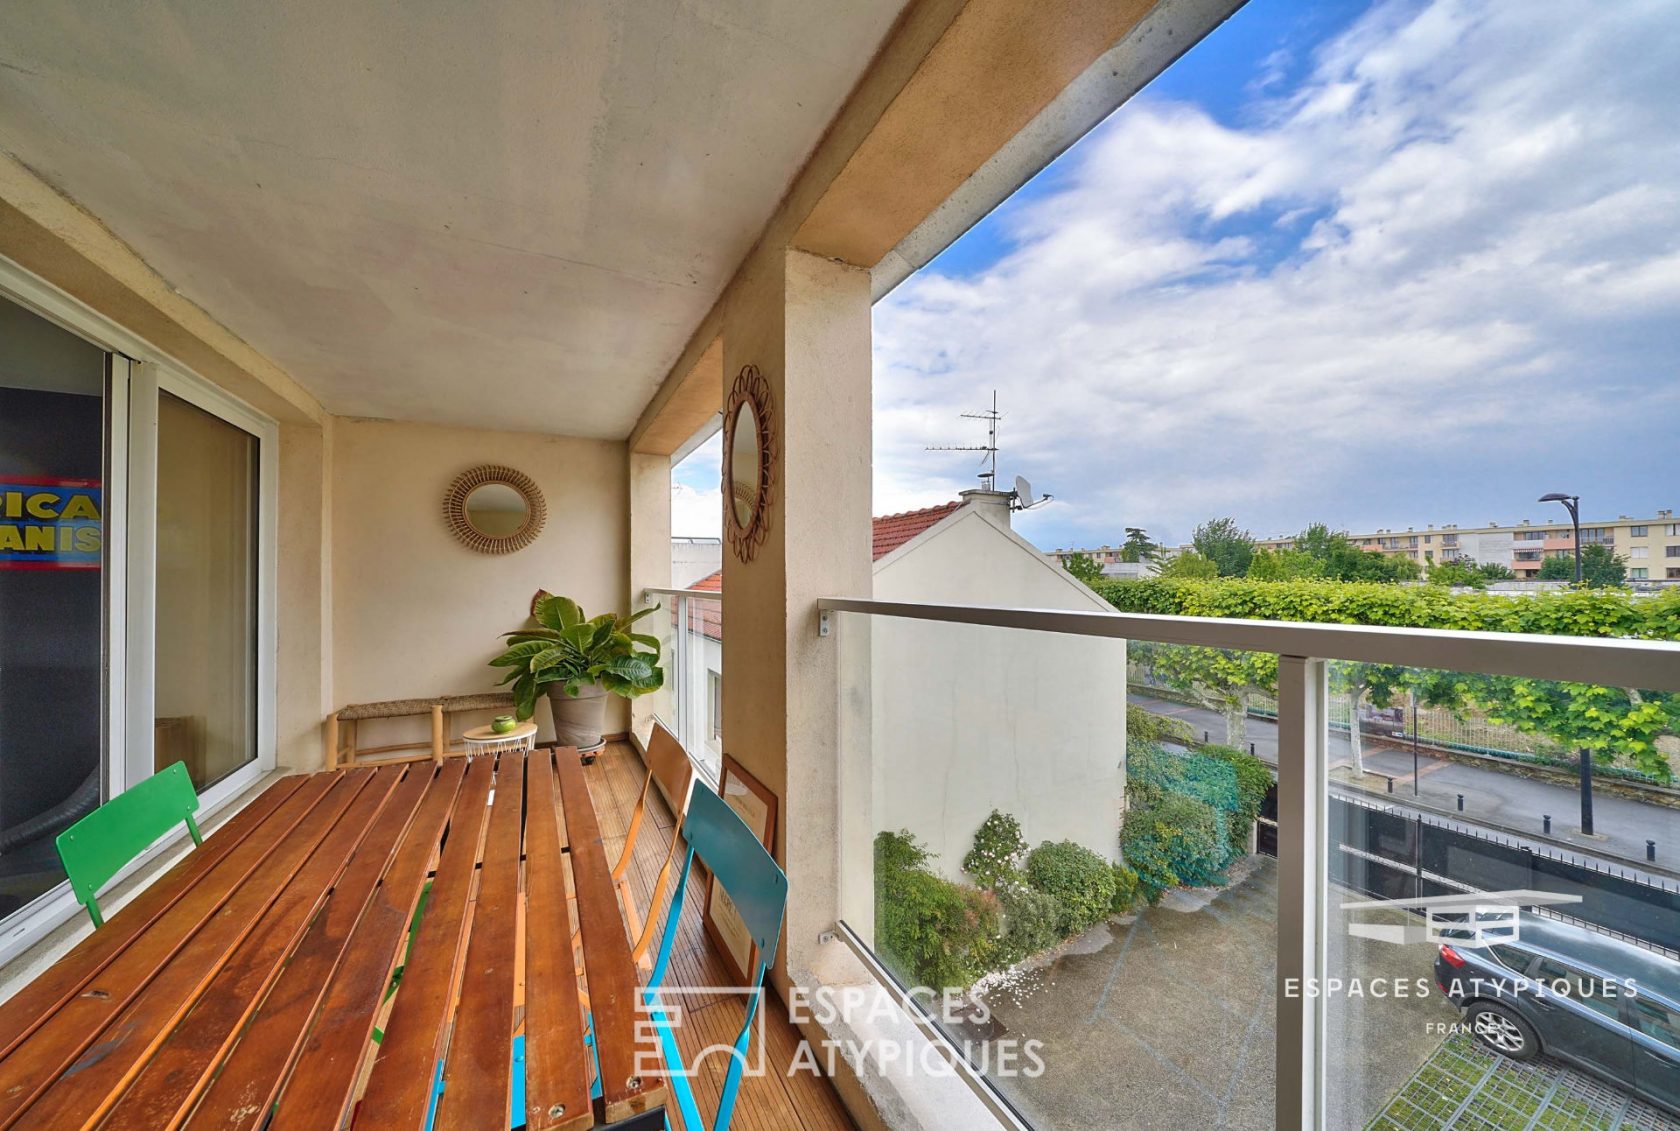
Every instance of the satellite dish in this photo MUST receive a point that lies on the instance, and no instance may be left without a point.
(1023, 491)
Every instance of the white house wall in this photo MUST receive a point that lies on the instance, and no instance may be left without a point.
(969, 719)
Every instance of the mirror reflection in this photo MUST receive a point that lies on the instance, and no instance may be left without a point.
(744, 466)
(496, 510)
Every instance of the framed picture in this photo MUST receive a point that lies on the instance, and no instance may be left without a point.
(756, 806)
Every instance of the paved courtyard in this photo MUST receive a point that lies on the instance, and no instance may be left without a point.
(1165, 1019)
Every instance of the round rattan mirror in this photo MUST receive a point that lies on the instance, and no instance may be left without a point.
(749, 461)
(494, 509)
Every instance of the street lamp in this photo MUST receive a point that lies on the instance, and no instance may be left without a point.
(1572, 503)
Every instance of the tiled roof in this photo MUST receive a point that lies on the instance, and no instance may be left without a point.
(705, 617)
(893, 530)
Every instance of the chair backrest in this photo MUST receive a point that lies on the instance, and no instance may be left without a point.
(99, 845)
(670, 766)
(755, 882)
(758, 888)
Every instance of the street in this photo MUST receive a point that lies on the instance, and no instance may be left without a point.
(1507, 800)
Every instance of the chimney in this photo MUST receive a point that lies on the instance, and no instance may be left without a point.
(994, 503)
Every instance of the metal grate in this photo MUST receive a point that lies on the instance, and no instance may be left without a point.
(1464, 1087)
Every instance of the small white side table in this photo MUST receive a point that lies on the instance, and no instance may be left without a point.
(483, 740)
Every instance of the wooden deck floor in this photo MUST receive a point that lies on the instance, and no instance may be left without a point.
(779, 1100)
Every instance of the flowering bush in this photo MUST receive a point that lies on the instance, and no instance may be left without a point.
(999, 848)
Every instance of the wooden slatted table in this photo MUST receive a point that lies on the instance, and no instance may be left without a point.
(245, 987)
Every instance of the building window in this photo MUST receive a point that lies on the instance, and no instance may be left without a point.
(1527, 555)
(1637, 531)
(1639, 551)
(1671, 551)
(1672, 531)
(1673, 572)
(1533, 535)
(1639, 573)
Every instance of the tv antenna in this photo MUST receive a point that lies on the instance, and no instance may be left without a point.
(1021, 498)
(988, 461)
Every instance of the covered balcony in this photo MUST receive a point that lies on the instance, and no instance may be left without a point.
(331, 338)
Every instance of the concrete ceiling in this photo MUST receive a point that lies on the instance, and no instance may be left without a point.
(504, 215)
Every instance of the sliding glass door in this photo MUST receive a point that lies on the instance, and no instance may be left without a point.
(205, 639)
(137, 564)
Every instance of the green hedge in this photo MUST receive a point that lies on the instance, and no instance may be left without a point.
(1560, 612)
(1254, 780)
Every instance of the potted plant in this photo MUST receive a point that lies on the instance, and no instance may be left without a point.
(578, 663)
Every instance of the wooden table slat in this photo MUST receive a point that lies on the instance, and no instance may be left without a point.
(35, 1003)
(556, 1061)
(625, 1048)
(478, 1067)
(165, 1089)
(400, 1088)
(144, 996)
(336, 980)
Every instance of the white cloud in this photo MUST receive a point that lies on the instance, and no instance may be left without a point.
(1490, 200)
(697, 492)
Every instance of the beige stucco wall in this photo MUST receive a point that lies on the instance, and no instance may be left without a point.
(967, 719)
(416, 613)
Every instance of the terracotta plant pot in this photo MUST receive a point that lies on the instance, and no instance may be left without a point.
(578, 721)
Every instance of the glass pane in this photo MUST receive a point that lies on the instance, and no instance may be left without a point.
(206, 592)
(1479, 943)
(52, 421)
(1073, 884)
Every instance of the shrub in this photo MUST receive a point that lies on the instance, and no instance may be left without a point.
(1081, 882)
(1147, 727)
(1125, 890)
(1174, 840)
(938, 933)
(1031, 923)
(999, 847)
(1254, 779)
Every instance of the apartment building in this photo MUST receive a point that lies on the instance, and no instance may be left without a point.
(1651, 546)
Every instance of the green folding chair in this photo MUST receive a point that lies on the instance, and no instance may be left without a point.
(102, 843)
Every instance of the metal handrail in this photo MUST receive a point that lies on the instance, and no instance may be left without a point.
(704, 594)
(1648, 664)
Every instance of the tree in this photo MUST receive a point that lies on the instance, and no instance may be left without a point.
(1600, 567)
(1493, 571)
(1283, 565)
(1225, 544)
(1137, 547)
(1190, 566)
(1219, 679)
(1340, 560)
(1463, 572)
(1364, 683)
(1083, 567)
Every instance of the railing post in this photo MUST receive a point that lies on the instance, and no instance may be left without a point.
(1303, 732)
(679, 672)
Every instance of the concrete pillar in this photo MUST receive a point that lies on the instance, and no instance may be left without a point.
(805, 322)
(650, 567)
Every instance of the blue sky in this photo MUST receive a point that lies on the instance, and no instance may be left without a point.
(1371, 264)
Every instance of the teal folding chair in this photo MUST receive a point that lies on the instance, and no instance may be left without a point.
(758, 888)
(101, 844)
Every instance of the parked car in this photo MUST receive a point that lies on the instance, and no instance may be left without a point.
(1604, 1005)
